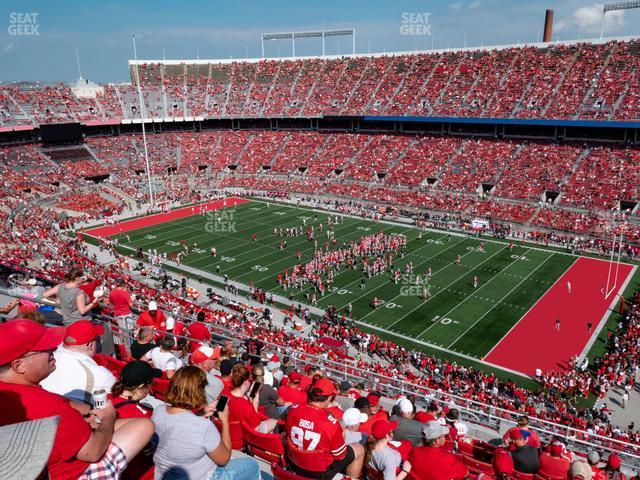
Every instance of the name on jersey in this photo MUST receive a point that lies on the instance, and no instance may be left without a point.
(306, 424)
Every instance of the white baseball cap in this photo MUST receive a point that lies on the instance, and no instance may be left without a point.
(353, 416)
(405, 406)
(32, 282)
(170, 323)
(153, 305)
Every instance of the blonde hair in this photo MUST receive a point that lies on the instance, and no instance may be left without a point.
(186, 388)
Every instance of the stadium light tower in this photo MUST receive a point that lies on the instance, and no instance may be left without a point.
(609, 7)
(350, 32)
(144, 135)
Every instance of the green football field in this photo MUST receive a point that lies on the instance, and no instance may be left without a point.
(456, 317)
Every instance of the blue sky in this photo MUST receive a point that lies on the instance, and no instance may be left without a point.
(102, 30)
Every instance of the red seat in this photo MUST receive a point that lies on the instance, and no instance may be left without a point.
(280, 473)
(160, 387)
(267, 446)
(308, 460)
(100, 360)
(478, 466)
(235, 431)
(114, 364)
(522, 476)
(542, 476)
(465, 448)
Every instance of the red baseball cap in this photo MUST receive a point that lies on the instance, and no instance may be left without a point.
(294, 377)
(556, 448)
(325, 386)
(374, 399)
(81, 332)
(613, 461)
(18, 337)
(199, 331)
(204, 353)
(380, 428)
(516, 434)
(503, 463)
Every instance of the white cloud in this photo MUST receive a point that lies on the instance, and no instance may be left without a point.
(8, 47)
(456, 6)
(475, 4)
(588, 19)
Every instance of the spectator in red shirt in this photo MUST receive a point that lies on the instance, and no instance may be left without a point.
(431, 462)
(122, 302)
(432, 413)
(135, 383)
(82, 447)
(242, 408)
(311, 428)
(152, 318)
(199, 333)
(291, 392)
(225, 375)
(533, 440)
(612, 470)
(553, 463)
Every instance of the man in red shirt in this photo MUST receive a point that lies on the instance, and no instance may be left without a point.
(533, 440)
(431, 462)
(83, 445)
(310, 428)
(122, 302)
(553, 463)
(291, 392)
(152, 318)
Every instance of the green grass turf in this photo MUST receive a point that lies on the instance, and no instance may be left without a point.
(457, 316)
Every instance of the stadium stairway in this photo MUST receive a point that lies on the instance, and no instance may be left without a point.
(613, 400)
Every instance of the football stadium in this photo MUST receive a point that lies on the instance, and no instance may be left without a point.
(371, 241)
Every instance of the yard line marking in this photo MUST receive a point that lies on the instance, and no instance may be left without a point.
(513, 262)
(445, 288)
(407, 256)
(531, 308)
(500, 301)
(421, 263)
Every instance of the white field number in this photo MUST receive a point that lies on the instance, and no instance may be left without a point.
(444, 321)
(259, 268)
(342, 291)
(520, 257)
(299, 436)
(227, 259)
(389, 304)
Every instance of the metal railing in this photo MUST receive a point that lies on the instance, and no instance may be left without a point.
(471, 411)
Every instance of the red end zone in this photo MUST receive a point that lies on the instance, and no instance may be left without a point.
(159, 218)
(534, 342)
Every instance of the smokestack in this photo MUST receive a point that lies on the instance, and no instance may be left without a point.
(548, 26)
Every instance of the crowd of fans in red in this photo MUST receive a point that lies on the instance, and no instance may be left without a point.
(583, 80)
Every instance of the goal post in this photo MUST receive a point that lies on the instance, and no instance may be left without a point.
(612, 281)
